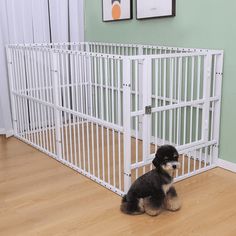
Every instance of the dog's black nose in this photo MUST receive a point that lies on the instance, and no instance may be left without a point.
(174, 166)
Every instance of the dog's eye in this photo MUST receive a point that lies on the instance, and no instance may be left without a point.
(166, 158)
(175, 156)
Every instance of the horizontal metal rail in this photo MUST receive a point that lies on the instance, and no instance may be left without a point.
(181, 149)
(161, 47)
(173, 55)
(76, 113)
(175, 106)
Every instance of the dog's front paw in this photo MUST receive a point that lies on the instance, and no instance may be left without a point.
(149, 208)
(172, 204)
(141, 205)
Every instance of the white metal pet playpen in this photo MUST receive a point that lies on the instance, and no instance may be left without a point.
(103, 109)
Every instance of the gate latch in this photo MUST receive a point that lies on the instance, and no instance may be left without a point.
(148, 110)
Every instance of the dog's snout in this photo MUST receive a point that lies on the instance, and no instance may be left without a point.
(174, 166)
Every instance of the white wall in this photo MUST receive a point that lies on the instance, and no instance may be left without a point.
(27, 21)
(5, 113)
(2, 123)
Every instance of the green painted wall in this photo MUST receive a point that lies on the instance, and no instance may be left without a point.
(202, 24)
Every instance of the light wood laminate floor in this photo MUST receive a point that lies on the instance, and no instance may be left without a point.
(39, 196)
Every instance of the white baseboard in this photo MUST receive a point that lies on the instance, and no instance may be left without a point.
(227, 165)
(2, 131)
(9, 133)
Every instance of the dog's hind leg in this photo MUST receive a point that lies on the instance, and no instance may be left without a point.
(132, 206)
(172, 201)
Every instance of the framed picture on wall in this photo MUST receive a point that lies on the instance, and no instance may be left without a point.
(155, 8)
(116, 10)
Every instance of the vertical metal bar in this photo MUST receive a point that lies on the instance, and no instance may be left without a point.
(24, 91)
(189, 160)
(113, 121)
(102, 114)
(171, 99)
(175, 99)
(206, 96)
(156, 100)
(68, 85)
(200, 158)
(43, 118)
(55, 83)
(66, 105)
(191, 98)
(31, 94)
(37, 105)
(70, 138)
(74, 105)
(127, 122)
(217, 89)
(179, 100)
(18, 90)
(205, 156)
(107, 119)
(136, 118)
(82, 107)
(198, 96)
(27, 68)
(10, 73)
(161, 98)
(119, 115)
(140, 89)
(164, 127)
(147, 101)
(48, 110)
(51, 101)
(185, 99)
(35, 86)
(212, 107)
(76, 108)
(77, 69)
(211, 155)
(96, 114)
(91, 75)
(87, 104)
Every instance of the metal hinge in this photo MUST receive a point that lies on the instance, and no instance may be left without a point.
(54, 70)
(126, 85)
(140, 62)
(127, 174)
(148, 110)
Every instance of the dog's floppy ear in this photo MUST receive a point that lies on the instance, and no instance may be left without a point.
(155, 161)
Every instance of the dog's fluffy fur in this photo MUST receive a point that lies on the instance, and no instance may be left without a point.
(154, 190)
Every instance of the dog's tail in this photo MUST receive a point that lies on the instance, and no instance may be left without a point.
(132, 208)
(123, 206)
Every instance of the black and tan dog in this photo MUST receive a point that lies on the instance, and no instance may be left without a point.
(154, 190)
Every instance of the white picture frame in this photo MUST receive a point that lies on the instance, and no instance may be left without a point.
(155, 8)
(116, 10)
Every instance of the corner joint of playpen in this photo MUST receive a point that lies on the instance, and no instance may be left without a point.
(56, 99)
(127, 122)
(12, 98)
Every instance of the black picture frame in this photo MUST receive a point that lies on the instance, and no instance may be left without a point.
(173, 14)
(124, 19)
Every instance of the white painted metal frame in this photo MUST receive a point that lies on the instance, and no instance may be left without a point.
(103, 109)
